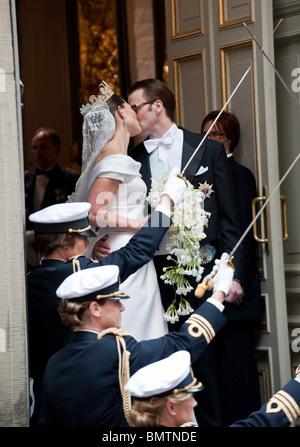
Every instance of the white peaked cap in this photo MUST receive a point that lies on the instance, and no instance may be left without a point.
(164, 377)
(70, 217)
(92, 284)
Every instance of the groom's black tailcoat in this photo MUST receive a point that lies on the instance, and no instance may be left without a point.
(209, 165)
(223, 229)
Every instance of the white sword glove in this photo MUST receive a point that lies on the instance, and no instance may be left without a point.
(175, 187)
(224, 274)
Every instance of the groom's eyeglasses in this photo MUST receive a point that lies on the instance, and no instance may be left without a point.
(137, 107)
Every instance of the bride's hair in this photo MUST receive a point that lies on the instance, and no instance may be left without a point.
(114, 102)
(97, 130)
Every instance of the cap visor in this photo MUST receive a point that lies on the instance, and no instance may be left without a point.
(121, 297)
(196, 388)
(88, 233)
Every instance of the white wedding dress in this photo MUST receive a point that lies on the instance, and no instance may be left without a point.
(143, 317)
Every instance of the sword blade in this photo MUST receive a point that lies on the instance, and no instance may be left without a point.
(273, 66)
(228, 101)
(264, 206)
(296, 159)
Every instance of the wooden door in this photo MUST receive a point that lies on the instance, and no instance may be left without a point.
(209, 51)
(287, 61)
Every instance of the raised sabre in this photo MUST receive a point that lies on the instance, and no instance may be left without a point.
(296, 159)
(208, 281)
(273, 66)
(227, 102)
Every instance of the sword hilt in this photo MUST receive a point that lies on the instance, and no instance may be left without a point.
(208, 281)
(182, 178)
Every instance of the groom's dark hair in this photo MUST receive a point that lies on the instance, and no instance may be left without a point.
(154, 90)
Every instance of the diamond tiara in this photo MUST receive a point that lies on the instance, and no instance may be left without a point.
(105, 93)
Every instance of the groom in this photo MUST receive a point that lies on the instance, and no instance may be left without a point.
(168, 146)
(164, 147)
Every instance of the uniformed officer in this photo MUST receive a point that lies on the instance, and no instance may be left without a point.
(84, 382)
(163, 396)
(163, 393)
(61, 233)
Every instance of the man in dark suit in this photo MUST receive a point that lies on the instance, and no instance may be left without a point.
(48, 184)
(166, 146)
(154, 104)
(241, 396)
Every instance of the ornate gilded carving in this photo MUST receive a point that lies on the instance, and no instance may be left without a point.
(98, 46)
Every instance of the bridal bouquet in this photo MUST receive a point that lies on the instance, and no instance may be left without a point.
(188, 221)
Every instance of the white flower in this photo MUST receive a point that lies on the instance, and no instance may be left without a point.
(183, 289)
(189, 220)
(171, 316)
(184, 308)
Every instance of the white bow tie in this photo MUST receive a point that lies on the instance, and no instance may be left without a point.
(154, 143)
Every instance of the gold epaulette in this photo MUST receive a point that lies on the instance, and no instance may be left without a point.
(198, 326)
(285, 402)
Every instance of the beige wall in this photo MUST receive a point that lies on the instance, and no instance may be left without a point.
(140, 39)
(14, 402)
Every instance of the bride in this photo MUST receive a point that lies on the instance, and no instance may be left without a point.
(111, 182)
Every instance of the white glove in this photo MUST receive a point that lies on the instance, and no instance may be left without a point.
(175, 187)
(224, 274)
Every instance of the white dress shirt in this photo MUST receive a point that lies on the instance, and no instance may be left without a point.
(168, 148)
(165, 154)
